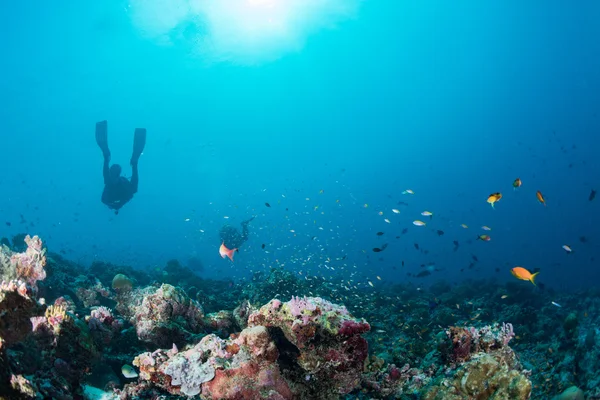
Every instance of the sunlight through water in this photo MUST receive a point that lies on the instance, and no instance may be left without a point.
(238, 31)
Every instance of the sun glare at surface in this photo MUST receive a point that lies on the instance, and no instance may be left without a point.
(239, 31)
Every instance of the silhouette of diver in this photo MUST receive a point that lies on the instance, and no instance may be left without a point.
(118, 190)
(232, 238)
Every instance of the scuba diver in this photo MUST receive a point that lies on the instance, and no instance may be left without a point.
(232, 239)
(118, 190)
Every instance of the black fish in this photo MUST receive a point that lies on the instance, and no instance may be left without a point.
(474, 258)
(423, 274)
(402, 203)
(8, 223)
(397, 237)
(592, 195)
(268, 205)
(379, 233)
(455, 245)
(263, 246)
(404, 230)
(583, 239)
(403, 263)
(440, 233)
(377, 249)
(416, 246)
(286, 209)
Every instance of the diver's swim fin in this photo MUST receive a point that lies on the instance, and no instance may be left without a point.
(102, 136)
(139, 141)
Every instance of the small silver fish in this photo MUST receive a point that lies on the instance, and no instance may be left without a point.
(556, 304)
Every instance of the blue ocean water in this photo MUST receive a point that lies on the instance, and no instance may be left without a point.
(360, 101)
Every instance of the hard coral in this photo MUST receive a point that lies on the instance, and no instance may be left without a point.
(16, 310)
(485, 376)
(323, 340)
(240, 368)
(167, 316)
(461, 343)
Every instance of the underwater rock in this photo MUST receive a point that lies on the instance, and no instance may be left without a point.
(570, 325)
(389, 381)
(485, 376)
(590, 339)
(164, 316)
(571, 393)
(16, 309)
(321, 357)
(243, 367)
(462, 343)
(103, 326)
(320, 340)
(222, 322)
(68, 354)
(481, 366)
(242, 312)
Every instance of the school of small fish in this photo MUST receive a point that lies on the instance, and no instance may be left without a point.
(355, 280)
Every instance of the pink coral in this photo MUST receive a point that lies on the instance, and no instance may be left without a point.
(249, 381)
(326, 336)
(166, 316)
(350, 328)
(30, 264)
(103, 314)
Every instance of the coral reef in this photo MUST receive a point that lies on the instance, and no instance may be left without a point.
(241, 367)
(321, 341)
(70, 332)
(163, 315)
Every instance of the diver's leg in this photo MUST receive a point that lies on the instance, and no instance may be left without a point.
(102, 141)
(139, 141)
(102, 137)
(134, 176)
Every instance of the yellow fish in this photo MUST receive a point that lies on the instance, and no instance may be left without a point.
(524, 275)
(493, 198)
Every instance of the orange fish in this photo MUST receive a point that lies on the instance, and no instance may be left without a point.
(485, 238)
(540, 197)
(225, 252)
(523, 274)
(517, 183)
(494, 197)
